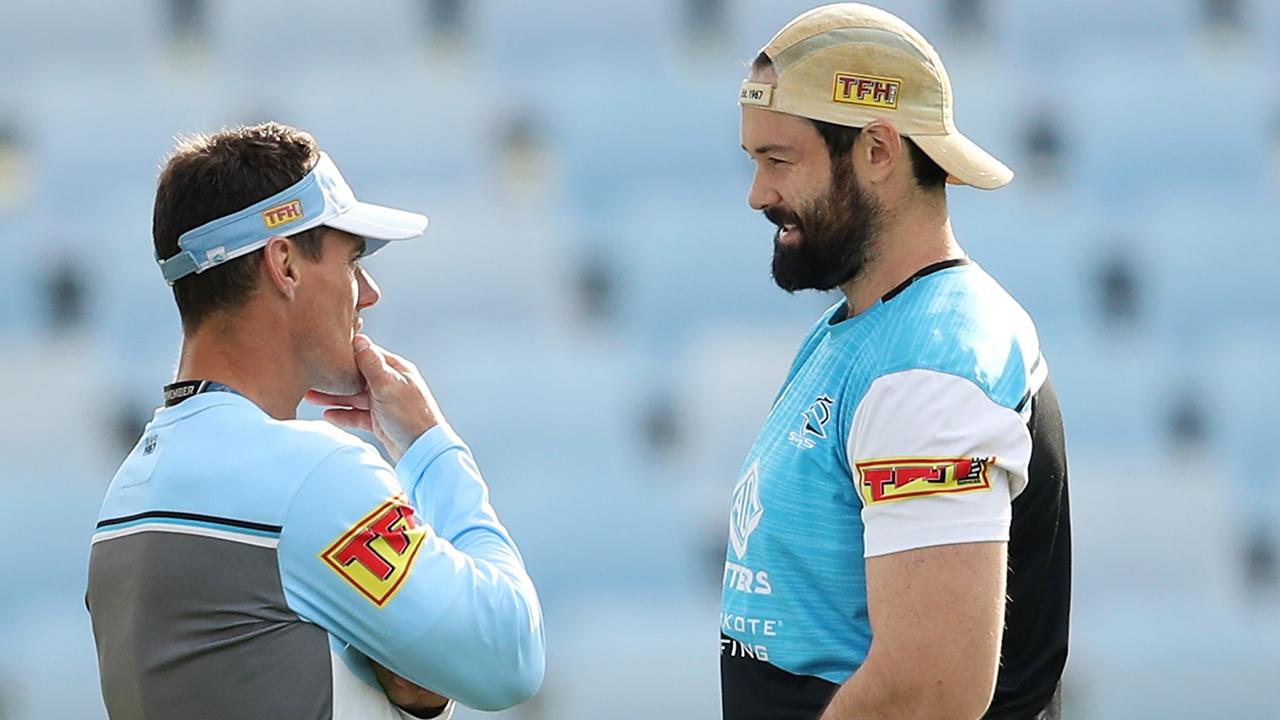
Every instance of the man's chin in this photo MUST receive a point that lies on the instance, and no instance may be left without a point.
(794, 279)
(347, 382)
(789, 270)
(792, 286)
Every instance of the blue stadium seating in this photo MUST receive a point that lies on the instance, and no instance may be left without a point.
(1169, 159)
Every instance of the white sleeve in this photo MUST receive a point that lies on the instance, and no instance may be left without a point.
(935, 462)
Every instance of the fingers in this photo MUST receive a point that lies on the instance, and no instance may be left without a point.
(400, 364)
(406, 695)
(399, 401)
(393, 356)
(359, 401)
(350, 419)
(394, 361)
(371, 361)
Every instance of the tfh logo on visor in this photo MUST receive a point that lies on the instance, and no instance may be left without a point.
(282, 214)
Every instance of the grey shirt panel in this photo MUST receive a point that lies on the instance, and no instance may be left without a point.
(198, 627)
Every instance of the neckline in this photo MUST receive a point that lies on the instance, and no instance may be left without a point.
(181, 390)
(924, 272)
(841, 316)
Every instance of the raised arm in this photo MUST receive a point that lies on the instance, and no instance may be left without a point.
(424, 579)
(356, 559)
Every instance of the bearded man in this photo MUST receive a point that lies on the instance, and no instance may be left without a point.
(900, 534)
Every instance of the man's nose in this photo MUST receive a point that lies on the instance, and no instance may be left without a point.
(369, 292)
(762, 195)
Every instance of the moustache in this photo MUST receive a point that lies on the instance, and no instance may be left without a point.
(781, 216)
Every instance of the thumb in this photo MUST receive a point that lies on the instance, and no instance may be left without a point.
(373, 365)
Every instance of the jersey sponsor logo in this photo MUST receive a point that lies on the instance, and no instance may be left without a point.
(815, 423)
(376, 554)
(741, 578)
(868, 90)
(282, 214)
(729, 622)
(893, 479)
(756, 628)
(745, 516)
(734, 648)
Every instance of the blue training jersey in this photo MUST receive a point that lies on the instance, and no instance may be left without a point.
(249, 567)
(925, 420)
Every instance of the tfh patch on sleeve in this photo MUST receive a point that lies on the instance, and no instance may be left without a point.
(892, 479)
(376, 554)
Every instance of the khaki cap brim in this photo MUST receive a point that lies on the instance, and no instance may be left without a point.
(964, 161)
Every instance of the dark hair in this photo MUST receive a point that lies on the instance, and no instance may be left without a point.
(840, 138)
(209, 176)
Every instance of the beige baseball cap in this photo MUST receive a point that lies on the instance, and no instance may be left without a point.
(850, 64)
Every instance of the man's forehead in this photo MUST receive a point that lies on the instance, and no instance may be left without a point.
(764, 131)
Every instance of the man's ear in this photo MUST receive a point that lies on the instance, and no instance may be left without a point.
(280, 261)
(878, 151)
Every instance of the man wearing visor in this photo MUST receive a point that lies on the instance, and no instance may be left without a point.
(911, 474)
(248, 564)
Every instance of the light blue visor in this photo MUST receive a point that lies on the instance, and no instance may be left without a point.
(322, 197)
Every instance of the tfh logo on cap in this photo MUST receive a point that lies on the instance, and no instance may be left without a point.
(866, 90)
(282, 214)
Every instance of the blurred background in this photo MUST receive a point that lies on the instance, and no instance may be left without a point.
(593, 306)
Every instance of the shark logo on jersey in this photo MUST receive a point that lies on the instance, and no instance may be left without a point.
(815, 423)
(747, 510)
(817, 416)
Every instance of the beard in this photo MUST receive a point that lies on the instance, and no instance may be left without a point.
(837, 235)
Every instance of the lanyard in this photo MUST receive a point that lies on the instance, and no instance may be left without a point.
(175, 393)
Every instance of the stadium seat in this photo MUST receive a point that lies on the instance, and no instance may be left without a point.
(55, 39)
(247, 36)
(696, 256)
(492, 264)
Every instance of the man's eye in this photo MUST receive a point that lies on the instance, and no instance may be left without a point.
(777, 161)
